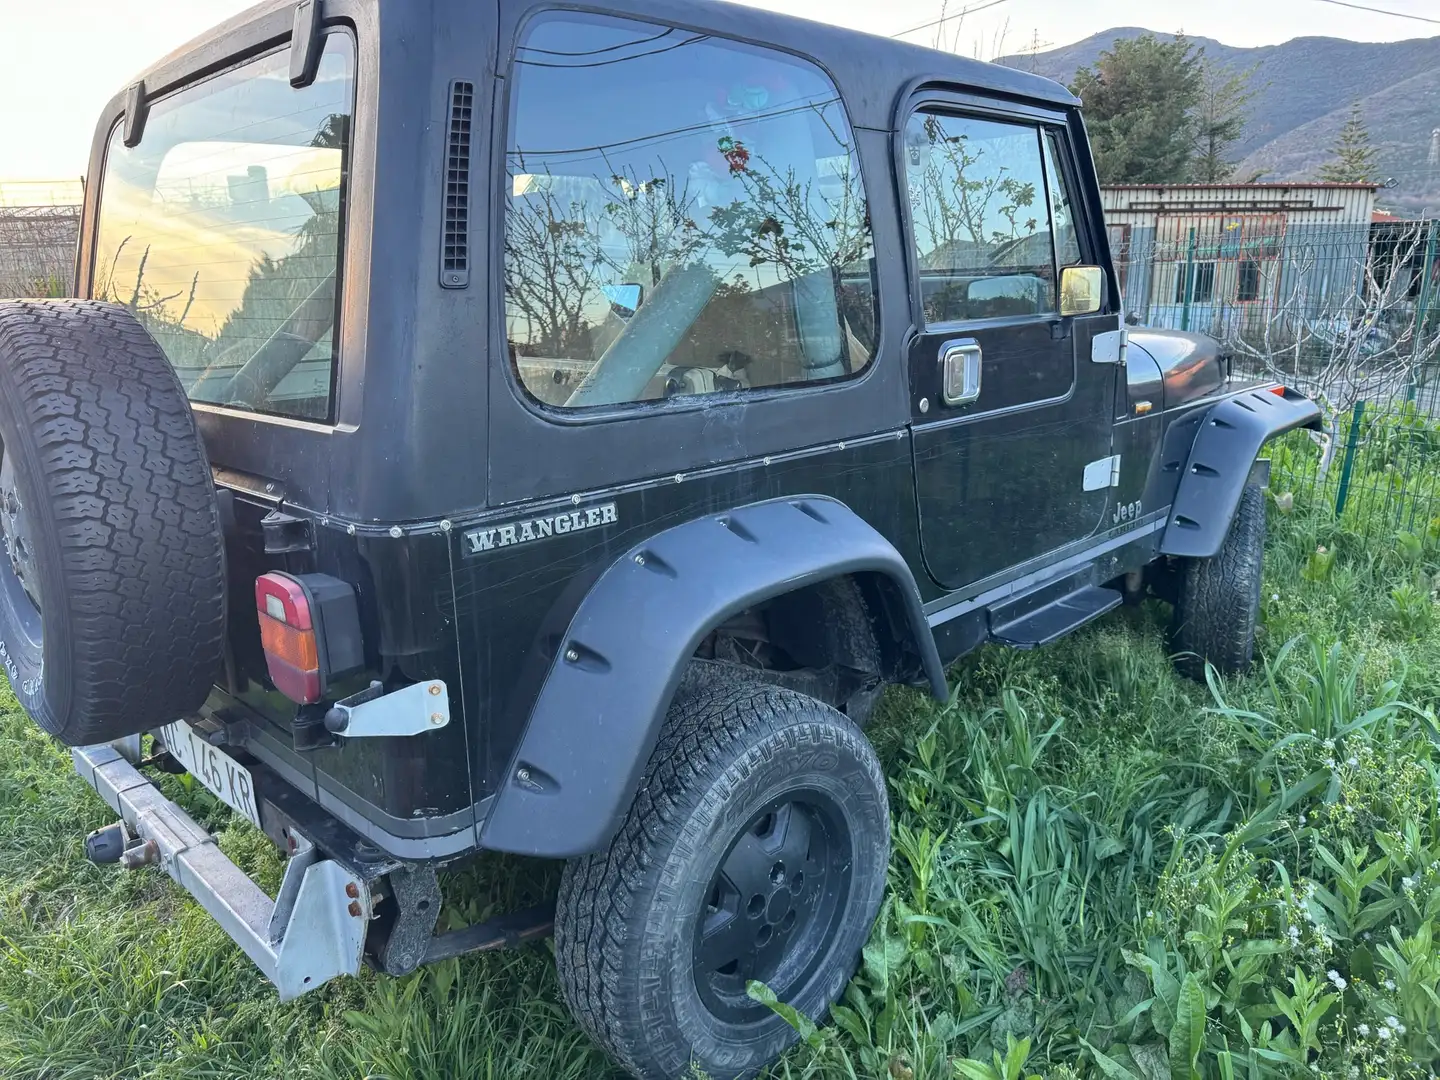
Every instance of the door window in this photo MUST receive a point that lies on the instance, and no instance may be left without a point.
(684, 215)
(982, 218)
(1062, 215)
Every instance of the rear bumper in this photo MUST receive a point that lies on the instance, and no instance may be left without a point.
(311, 932)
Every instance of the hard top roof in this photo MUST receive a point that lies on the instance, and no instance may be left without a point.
(866, 65)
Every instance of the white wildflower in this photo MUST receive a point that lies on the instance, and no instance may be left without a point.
(1329, 763)
(1336, 978)
(1353, 762)
(1328, 744)
(1275, 596)
(1407, 883)
(1383, 1033)
(1364, 1030)
(1392, 1022)
(1390, 985)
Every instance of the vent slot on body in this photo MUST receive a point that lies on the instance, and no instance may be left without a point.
(455, 243)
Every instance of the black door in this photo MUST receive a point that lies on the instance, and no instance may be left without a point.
(1012, 423)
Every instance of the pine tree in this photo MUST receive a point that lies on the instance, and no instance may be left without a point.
(1355, 160)
(1140, 99)
(1219, 121)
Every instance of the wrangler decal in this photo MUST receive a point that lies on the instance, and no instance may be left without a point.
(487, 538)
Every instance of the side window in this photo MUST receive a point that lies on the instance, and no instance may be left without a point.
(1067, 235)
(980, 216)
(684, 216)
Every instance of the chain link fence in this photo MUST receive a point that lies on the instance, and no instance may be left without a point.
(37, 249)
(1346, 313)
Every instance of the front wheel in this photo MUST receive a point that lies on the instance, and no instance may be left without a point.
(756, 849)
(1218, 606)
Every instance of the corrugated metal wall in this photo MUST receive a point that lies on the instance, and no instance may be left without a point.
(1232, 259)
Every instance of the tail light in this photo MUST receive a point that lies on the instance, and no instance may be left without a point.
(309, 630)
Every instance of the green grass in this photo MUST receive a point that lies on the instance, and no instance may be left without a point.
(1099, 870)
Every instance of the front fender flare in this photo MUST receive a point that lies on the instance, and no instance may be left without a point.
(1220, 461)
(617, 667)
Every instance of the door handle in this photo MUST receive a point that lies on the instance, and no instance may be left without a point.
(960, 371)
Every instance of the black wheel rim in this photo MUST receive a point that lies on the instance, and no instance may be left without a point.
(773, 906)
(19, 572)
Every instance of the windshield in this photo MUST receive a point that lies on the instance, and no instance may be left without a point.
(221, 231)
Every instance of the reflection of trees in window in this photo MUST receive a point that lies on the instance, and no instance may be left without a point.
(654, 216)
(957, 194)
(553, 262)
(286, 305)
(787, 221)
(559, 252)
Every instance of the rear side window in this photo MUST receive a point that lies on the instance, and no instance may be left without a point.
(684, 215)
(221, 231)
(982, 217)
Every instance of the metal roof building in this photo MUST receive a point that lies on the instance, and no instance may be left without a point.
(1222, 257)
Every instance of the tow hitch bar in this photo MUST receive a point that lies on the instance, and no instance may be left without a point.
(311, 932)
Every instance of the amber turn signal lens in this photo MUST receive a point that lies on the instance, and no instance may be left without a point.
(296, 647)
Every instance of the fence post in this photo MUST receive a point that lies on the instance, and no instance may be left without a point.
(1422, 307)
(1189, 281)
(1350, 443)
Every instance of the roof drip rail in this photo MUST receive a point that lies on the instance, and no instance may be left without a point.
(305, 44)
(136, 110)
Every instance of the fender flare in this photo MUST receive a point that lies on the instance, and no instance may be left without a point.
(617, 666)
(1221, 457)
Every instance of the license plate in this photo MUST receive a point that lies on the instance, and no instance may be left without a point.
(222, 775)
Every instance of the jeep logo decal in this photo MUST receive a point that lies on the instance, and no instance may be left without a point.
(479, 541)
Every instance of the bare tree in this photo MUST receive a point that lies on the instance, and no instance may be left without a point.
(655, 218)
(1368, 343)
(553, 265)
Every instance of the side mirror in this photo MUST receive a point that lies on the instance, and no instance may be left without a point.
(1081, 289)
(624, 299)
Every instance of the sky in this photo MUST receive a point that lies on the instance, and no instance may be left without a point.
(62, 60)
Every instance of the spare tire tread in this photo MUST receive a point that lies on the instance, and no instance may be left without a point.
(127, 490)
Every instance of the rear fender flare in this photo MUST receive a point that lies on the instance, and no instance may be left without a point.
(1221, 457)
(617, 666)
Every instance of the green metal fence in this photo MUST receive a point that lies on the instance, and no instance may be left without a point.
(1347, 314)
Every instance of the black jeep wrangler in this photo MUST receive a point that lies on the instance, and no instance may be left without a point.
(516, 427)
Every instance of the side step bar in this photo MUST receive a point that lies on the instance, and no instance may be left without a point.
(1044, 624)
(312, 932)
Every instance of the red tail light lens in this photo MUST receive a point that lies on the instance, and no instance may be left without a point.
(1278, 391)
(288, 636)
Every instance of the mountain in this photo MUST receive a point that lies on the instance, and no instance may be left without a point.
(1303, 93)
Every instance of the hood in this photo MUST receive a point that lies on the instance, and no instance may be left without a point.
(1191, 365)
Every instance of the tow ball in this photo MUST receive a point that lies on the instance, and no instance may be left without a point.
(114, 844)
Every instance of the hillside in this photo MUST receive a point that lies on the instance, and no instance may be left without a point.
(1304, 90)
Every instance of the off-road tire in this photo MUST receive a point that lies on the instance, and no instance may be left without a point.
(1218, 606)
(127, 549)
(624, 924)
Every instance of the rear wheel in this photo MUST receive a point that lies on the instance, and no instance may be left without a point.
(756, 849)
(1218, 606)
(112, 575)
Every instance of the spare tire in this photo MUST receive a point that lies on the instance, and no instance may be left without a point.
(112, 572)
